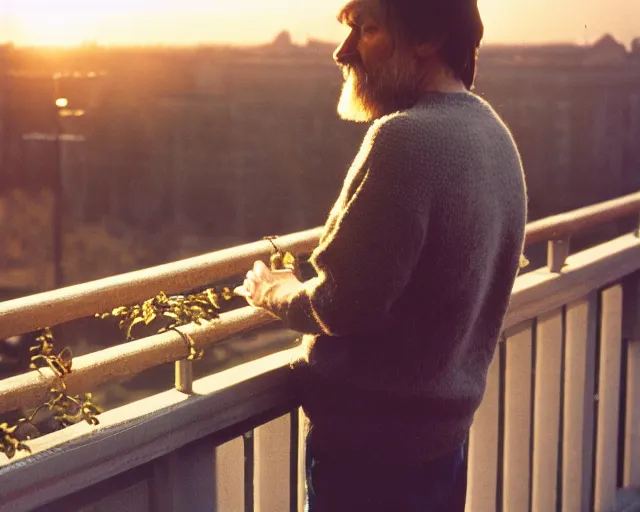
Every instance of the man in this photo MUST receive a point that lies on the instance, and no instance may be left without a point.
(415, 266)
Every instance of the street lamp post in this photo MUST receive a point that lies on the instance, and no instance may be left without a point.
(58, 271)
(59, 108)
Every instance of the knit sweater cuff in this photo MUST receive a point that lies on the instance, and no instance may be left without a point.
(296, 310)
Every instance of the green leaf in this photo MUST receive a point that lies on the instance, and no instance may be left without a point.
(135, 322)
(289, 261)
(119, 311)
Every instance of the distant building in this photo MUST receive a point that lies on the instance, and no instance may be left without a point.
(574, 113)
(282, 41)
(606, 52)
(223, 145)
(4, 69)
(635, 51)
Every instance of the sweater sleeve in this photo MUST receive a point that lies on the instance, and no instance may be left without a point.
(367, 255)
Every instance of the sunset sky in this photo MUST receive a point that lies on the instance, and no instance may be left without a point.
(123, 22)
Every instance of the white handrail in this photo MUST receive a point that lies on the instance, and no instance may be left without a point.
(79, 301)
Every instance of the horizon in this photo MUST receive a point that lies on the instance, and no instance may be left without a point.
(144, 23)
(262, 44)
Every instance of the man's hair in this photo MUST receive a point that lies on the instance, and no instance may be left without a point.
(455, 24)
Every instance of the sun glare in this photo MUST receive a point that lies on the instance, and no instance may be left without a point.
(73, 22)
(51, 28)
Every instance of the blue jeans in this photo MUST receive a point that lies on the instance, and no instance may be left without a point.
(344, 485)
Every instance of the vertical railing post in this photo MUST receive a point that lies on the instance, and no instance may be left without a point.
(302, 476)
(229, 476)
(184, 367)
(272, 465)
(579, 405)
(484, 445)
(631, 332)
(184, 376)
(606, 463)
(185, 478)
(516, 489)
(632, 424)
(557, 253)
(546, 425)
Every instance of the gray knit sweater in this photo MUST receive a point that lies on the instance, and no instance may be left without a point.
(415, 270)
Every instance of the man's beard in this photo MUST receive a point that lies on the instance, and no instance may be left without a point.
(369, 95)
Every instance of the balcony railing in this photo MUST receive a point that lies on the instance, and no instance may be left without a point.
(559, 428)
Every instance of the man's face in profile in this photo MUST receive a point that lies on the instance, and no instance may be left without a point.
(381, 75)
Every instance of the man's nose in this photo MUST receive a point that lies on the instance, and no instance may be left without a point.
(347, 52)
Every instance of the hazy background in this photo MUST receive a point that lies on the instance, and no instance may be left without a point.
(29, 22)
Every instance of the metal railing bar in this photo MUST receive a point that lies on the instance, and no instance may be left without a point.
(538, 292)
(84, 300)
(562, 226)
(127, 359)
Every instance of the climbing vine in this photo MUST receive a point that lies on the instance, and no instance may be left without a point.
(62, 407)
(156, 315)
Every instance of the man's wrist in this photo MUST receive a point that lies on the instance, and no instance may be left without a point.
(278, 295)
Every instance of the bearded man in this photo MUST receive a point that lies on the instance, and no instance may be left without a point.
(414, 269)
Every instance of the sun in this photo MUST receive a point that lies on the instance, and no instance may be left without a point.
(48, 27)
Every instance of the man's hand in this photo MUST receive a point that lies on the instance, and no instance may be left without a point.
(266, 288)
